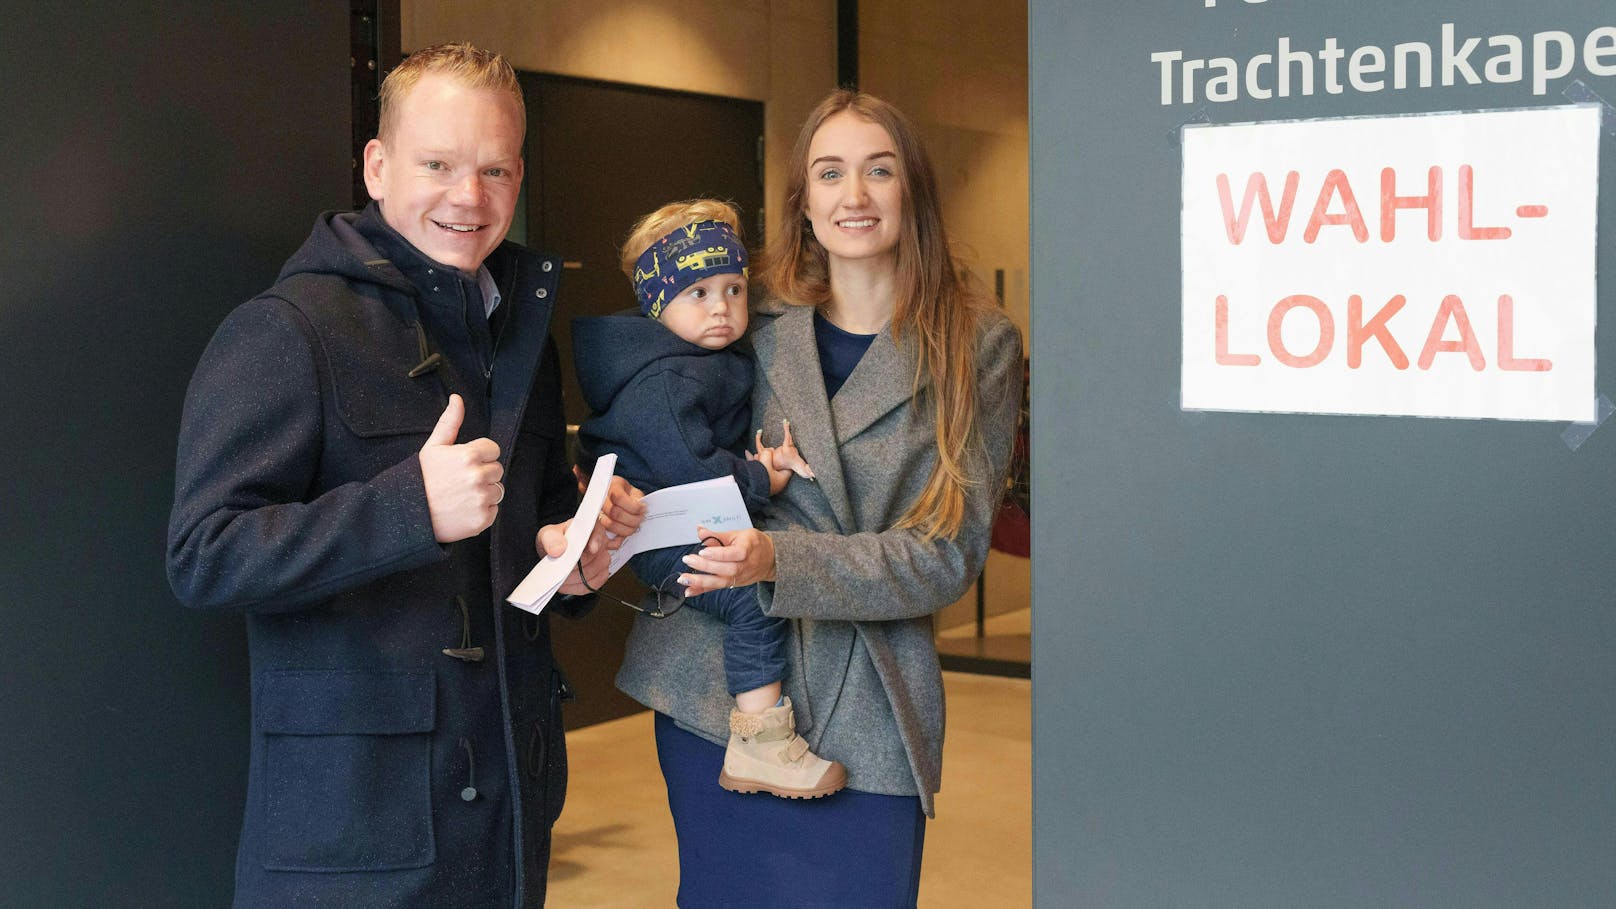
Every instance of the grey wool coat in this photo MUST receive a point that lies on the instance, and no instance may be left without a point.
(863, 673)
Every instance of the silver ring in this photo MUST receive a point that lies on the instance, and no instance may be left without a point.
(501, 492)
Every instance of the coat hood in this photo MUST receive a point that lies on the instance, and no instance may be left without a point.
(336, 247)
(610, 351)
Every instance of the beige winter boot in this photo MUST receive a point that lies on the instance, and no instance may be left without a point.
(766, 754)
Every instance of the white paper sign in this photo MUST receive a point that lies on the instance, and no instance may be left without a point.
(1431, 265)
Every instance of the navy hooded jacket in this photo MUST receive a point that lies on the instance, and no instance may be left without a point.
(673, 412)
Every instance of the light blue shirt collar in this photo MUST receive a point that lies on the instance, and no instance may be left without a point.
(485, 283)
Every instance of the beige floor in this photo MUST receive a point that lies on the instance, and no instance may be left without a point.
(614, 845)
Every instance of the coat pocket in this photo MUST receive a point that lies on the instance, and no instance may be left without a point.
(555, 784)
(347, 770)
(399, 406)
(546, 763)
(375, 395)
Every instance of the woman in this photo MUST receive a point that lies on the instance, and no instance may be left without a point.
(901, 382)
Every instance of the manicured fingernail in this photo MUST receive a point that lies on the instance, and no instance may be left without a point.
(594, 546)
(684, 580)
(689, 560)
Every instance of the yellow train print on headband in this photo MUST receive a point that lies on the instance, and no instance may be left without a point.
(689, 254)
(703, 259)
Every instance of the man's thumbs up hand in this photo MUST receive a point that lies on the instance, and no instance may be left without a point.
(463, 488)
(448, 428)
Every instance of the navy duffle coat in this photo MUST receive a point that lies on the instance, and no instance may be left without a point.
(406, 733)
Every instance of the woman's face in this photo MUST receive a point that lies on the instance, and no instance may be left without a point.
(854, 199)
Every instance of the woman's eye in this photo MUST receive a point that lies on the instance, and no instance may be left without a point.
(879, 171)
(829, 174)
(434, 165)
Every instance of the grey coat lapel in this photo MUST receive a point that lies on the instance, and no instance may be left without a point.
(790, 363)
(884, 379)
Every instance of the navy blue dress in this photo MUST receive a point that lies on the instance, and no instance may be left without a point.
(851, 850)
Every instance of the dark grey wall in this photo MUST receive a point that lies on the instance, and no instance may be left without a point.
(1293, 660)
(162, 161)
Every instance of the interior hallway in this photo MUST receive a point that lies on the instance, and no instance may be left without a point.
(614, 844)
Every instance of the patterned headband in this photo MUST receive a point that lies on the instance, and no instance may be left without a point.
(680, 259)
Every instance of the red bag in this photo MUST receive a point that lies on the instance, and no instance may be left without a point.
(1012, 526)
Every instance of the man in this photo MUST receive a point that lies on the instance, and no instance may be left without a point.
(368, 452)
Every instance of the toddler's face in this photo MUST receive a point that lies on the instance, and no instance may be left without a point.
(710, 313)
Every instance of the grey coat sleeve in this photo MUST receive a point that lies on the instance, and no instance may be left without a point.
(897, 574)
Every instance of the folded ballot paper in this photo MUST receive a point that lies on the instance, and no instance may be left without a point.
(671, 518)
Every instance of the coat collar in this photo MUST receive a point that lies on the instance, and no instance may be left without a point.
(423, 272)
(531, 285)
(882, 380)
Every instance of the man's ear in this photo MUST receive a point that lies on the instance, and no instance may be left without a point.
(375, 154)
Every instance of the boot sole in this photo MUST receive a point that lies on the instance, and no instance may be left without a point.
(732, 784)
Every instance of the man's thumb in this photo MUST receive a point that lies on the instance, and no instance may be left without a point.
(448, 428)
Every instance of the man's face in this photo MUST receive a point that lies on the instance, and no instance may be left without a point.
(448, 176)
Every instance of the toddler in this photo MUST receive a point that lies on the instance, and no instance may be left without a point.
(669, 390)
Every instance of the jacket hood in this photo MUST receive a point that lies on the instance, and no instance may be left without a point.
(336, 247)
(609, 351)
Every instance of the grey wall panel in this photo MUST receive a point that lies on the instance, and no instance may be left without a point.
(163, 160)
(1294, 660)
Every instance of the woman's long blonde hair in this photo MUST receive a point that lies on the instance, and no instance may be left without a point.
(936, 299)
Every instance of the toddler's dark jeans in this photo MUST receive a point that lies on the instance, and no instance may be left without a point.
(754, 644)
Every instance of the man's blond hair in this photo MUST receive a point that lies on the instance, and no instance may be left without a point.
(467, 65)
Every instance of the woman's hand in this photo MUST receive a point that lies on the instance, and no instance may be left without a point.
(741, 558)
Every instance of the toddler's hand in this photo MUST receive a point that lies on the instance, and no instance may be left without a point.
(781, 461)
(787, 457)
(778, 476)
